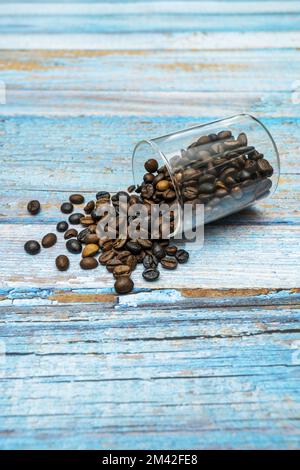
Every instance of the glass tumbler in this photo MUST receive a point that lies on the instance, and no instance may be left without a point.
(225, 165)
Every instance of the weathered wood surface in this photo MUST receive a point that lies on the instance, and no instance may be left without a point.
(209, 356)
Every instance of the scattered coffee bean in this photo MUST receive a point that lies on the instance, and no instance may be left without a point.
(88, 263)
(182, 256)
(62, 227)
(34, 207)
(75, 218)
(121, 270)
(150, 274)
(151, 165)
(71, 233)
(81, 236)
(62, 263)
(124, 285)
(168, 263)
(76, 199)
(150, 262)
(103, 194)
(32, 247)
(66, 208)
(49, 240)
(73, 246)
(131, 188)
(90, 250)
(158, 251)
(89, 207)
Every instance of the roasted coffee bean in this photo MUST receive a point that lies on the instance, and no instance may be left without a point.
(62, 263)
(182, 256)
(88, 263)
(49, 240)
(150, 274)
(171, 250)
(264, 167)
(163, 185)
(147, 191)
(108, 245)
(120, 195)
(158, 251)
(89, 207)
(131, 188)
(148, 178)
(121, 270)
(103, 194)
(224, 135)
(133, 247)
(237, 193)
(150, 262)
(62, 227)
(73, 246)
(91, 238)
(205, 139)
(104, 258)
(66, 208)
(190, 192)
(231, 144)
(112, 264)
(131, 261)
(74, 219)
(145, 243)
(221, 193)
(151, 165)
(123, 285)
(206, 188)
(169, 263)
(242, 139)
(71, 233)
(34, 207)
(76, 199)
(250, 166)
(90, 250)
(32, 247)
(81, 236)
(123, 255)
(244, 175)
(95, 215)
(86, 220)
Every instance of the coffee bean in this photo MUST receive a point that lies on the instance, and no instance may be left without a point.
(133, 247)
(131, 188)
(95, 215)
(89, 207)
(151, 165)
(112, 264)
(190, 192)
(103, 194)
(49, 240)
(237, 193)
(71, 233)
(145, 243)
(224, 135)
(88, 263)
(150, 262)
(158, 251)
(264, 167)
(81, 236)
(169, 263)
(32, 247)
(244, 175)
(206, 188)
(62, 227)
(66, 208)
(76, 199)
(171, 250)
(86, 220)
(34, 207)
(121, 270)
(163, 185)
(150, 274)
(91, 238)
(242, 139)
(62, 263)
(148, 178)
(104, 258)
(131, 261)
(90, 250)
(251, 166)
(182, 256)
(73, 246)
(205, 139)
(147, 191)
(123, 285)
(74, 219)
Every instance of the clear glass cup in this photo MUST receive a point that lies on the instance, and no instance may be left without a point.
(226, 165)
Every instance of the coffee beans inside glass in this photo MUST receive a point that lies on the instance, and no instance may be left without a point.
(225, 165)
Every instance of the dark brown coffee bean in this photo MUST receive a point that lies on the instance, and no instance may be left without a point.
(190, 192)
(62, 263)
(123, 255)
(206, 188)
(224, 135)
(106, 257)
(205, 139)
(86, 220)
(158, 178)
(148, 177)
(171, 250)
(62, 227)
(81, 236)
(182, 256)
(123, 285)
(147, 191)
(151, 165)
(66, 208)
(230, 171)
(150, 262)
(145, 243)
(264, 167)
(89, 207)
(150, 275)
(158, 251)
(73, 246)
(88, 263)
(34, 207)
(207, 179)
(221, 193)
(242, 139)
(90, 250)
(244, 175)
(103, 194)
(121, 270)
(71, 233)
(91, 238)
(251, 166)
(76, 199)
(131, 188)
(169, 263)
(131, 261)
(133, 247)
(49, 240)
(74, 219)
(32, 247)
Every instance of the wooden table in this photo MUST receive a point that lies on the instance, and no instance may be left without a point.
(209, 356)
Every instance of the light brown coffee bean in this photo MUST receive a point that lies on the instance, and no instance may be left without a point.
(90, 250)
(121, 270)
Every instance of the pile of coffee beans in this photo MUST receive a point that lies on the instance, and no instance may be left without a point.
(221, 172)
(119, 256)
